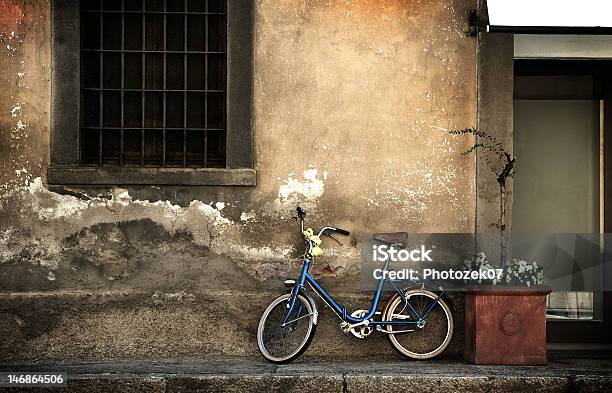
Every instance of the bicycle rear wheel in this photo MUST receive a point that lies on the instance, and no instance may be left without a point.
(423, 342)
(282, 344)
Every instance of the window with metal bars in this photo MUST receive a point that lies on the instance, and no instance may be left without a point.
(153, 83)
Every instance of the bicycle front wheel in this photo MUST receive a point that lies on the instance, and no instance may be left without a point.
(427, 341)
(282, 344)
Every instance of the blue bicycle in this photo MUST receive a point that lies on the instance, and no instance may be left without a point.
(418, 323)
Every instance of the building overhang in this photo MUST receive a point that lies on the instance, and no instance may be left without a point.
(549, 16)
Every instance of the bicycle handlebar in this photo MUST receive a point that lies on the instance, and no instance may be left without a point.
(301, 214)
(342, 231)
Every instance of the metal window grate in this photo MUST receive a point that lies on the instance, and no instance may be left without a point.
(153, 80)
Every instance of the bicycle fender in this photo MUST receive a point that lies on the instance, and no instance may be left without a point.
(448, 300)
(313, 305)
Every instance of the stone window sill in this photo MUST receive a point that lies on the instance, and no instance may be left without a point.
(152, 176)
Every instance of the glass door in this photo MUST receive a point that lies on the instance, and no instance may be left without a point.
(559, 182)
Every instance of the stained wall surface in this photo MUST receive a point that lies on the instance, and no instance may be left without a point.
(351, 103)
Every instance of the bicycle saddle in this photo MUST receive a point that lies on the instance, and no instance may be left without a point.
(392, 237)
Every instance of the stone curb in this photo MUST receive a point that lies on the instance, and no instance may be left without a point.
(341, 383)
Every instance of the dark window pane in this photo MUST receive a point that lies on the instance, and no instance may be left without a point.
(174, 110)
(175, 71)
(155, 5)
(90, 30)
(216, 33)
(112, 109)
(175, 32)
(195, 38)
(216, 110)
(175, 6)
(162, 114)
(132, 109)
(174, 148)
(215, 149)
(90, 72)
(133, 5)
(216, 72)
(196, 5)
(112, 71)
(154, 32)
(154, 71)
(154, 110)
(153, 151)
(133, 31)
(196, 72)
(195, 148)
(91, 108)
(112, 31)
(216, 5)
(132, 146)
(195, 110)
(133, 70)
(90, 145)
(112, 5)
(90, 4)
(111, 147)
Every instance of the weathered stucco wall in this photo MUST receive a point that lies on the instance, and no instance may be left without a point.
(496, 86)
(361, 91)
(25, 91)
(351, 104)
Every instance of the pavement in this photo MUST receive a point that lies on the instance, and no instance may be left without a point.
(312, 375)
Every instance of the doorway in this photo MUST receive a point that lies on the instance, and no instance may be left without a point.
(560, 123)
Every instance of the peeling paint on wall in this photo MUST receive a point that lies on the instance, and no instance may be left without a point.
(52, 218)
(19, 127)
(19, 150)
(295, 191)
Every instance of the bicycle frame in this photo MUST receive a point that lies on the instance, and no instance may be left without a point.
(342, 312)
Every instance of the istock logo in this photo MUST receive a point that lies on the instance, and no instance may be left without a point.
(382, 253)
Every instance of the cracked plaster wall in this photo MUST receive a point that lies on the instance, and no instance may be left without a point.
(351, 102)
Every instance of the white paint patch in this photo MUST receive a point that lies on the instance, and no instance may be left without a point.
(294, 192)
(211, 212)
(50, 206)
(262, 253)
(64, 206)
(247, 216)
(16, 110)
(268, 254)
(220, 205)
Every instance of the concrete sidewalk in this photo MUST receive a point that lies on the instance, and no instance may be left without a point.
(309, 375)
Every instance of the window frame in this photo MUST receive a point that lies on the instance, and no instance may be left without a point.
(65, 164)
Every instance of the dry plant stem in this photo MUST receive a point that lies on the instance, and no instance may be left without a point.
(503, 159)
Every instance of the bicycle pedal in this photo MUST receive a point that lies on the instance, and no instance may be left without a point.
(347, 327)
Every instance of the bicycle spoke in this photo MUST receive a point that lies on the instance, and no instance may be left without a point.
(282, 340)
(297, 319)
(428, 339)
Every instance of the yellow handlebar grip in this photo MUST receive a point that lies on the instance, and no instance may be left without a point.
(315, 239)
